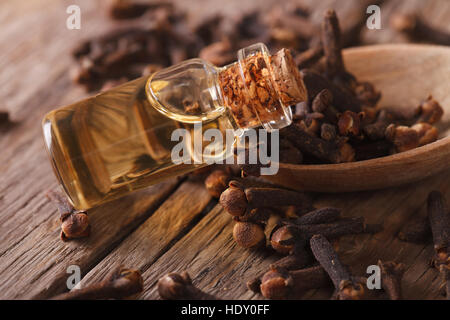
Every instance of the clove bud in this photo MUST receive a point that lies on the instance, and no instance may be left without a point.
(288, 237)
(347, 286)
(178, 286)
(430, 111)
(249, 235)
(237, 199)
(298, 259)
(281, 284)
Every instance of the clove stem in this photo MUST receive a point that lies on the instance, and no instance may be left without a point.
(347, 287)
(121, 283)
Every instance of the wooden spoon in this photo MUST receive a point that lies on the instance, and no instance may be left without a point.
(405, 74)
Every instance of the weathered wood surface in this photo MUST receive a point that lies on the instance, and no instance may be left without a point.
(169, 227)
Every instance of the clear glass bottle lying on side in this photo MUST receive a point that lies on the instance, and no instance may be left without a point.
(119, 141)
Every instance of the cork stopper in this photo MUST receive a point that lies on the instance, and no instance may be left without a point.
(259, 88)
(288, 81)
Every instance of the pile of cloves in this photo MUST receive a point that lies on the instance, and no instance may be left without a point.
(302, 235)
(340, 122)
(252, 202)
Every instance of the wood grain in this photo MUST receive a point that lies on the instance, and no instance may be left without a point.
(153, 238)
(145, 230)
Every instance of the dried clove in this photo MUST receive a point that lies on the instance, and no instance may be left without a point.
(322, 149)
(343, 99)
(237, 199)
(347, 286)
(349, 123)
(322, 215)
(333, 230)
(311, 123)
(249, 235)
(74, 224)
(322, 103)
(376, 130)
(256, 215)
(426, 133)
(391, 277)
(178, 286)
(299, 259)
(279, 283)
(429, 111)
(406, 138)
(286, 238)
(234, 201)
(254, 285)
(275, 197)
(121, 283)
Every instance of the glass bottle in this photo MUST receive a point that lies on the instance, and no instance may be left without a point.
(118, 141)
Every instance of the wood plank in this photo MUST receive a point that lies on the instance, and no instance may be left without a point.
(35, 265)
(36, 79)
(152, 239)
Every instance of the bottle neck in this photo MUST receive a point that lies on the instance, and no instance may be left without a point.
(257, 90)
(251, 89)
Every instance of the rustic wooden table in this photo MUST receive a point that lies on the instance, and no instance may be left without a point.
(168, 227)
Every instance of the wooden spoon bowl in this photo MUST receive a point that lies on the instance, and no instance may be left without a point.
(405, 75)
